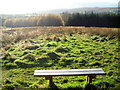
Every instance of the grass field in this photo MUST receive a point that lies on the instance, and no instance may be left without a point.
(27, 49)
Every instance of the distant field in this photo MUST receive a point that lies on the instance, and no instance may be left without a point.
(16, 34)
(29, 48)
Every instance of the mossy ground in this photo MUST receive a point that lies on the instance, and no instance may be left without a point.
(75, 51)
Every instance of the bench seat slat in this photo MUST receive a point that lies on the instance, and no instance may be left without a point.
(99, 69)
(69, 72)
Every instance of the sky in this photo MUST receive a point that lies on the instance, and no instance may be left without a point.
(31, 6)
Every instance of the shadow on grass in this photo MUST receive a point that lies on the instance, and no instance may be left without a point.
(90, 87)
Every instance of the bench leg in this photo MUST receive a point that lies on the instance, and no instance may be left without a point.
(50, 80)
(89, 78)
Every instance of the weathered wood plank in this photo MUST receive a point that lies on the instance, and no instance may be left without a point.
(69, 72)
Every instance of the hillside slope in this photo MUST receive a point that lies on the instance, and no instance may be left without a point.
(61, 51)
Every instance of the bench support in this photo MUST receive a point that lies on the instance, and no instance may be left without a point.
(89, 78)
(50, 80)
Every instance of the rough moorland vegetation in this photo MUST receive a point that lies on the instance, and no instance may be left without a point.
(60, 48)
(13, 35)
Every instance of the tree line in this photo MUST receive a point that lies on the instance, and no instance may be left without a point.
(75, 19)
(94, 20)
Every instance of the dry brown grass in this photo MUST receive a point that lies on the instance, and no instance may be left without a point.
(13, 35)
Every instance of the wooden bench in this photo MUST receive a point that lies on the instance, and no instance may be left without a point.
(90, 73)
